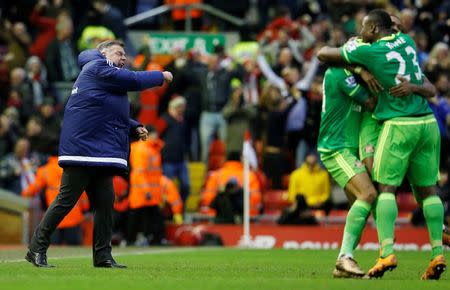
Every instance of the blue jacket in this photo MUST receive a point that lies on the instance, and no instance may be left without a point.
(96, 126)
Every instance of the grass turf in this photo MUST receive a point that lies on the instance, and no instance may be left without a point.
(208, 268)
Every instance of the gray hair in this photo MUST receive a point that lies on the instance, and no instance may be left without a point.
(102, 46)
(177, 101)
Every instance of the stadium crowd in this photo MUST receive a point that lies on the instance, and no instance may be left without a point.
(275, 95)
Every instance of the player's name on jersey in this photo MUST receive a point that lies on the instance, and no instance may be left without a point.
(399, 41)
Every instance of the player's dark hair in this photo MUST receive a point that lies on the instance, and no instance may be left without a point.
(381, 19)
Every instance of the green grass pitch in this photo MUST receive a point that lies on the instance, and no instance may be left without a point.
(207, 268)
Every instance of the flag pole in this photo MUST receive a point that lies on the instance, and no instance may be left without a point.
(247, 155)
(246, 222)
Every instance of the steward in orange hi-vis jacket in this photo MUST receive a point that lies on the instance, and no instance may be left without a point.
(145, 195)
(171, 195)
(216, 182)
(48, 177)
(145, 174)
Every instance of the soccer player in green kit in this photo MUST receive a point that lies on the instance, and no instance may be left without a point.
(338, 146)
(409, 140)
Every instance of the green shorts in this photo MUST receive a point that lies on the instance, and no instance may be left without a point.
(342, 164)
(368, 135)
(408, 146)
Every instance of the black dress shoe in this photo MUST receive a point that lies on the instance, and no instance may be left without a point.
(109, 264)
(38, 259)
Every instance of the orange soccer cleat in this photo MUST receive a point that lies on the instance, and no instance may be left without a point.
(436, 267)
(383, 265)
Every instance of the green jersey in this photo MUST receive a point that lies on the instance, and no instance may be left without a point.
(386, 59)
(341, 112)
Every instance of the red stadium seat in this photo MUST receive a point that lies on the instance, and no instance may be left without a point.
(275, 200)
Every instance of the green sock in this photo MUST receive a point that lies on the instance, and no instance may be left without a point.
(354, 225)
(386, 215)
(433, 210)
(372, 211)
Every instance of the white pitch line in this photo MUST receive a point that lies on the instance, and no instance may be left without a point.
(136, 253)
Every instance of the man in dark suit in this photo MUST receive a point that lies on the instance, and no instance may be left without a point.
(94, 145)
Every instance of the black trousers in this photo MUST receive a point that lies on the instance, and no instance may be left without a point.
(97, 182)
(68, 236)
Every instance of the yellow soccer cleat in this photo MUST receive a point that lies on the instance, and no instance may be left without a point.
(349, 266)
(436, 267)
(383, 265)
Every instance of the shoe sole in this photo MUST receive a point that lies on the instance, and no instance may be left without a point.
(348, 272)
(339, 274)
(380, 273)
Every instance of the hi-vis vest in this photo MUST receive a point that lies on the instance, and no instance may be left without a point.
(217, 180)
(145, 175)
(49, 176)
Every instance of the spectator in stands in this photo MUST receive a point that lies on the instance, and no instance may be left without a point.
(181, 81)
(312, 123)
(8, 136)
(189, 71)
(438, 61)
(21, 93)
(56, 7)
(441, 109)
(93, 32)
(60, 56)
(13, 120)
(40, 138)
(277, 109)
(51, 121)
(112, 18)
(46, 29)
(37, 76)
(289, 78)
(285, 49)
(231, 173)
(171, 128)
(313, 183)
(422, 42)
(17, 169)
(239, 117)
(216, 92)
(48, 178)
(295, 129)
(18, 40)
(251, 81)
(192, 76)
(440, 28)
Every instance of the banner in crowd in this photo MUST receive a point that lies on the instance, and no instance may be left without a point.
(166, 43)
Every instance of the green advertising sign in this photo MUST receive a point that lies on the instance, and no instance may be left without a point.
(165, 43)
